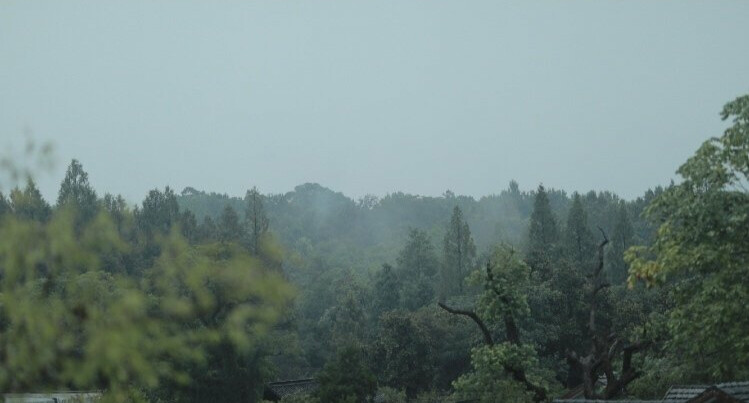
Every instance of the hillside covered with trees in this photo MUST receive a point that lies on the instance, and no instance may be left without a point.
(522, 294)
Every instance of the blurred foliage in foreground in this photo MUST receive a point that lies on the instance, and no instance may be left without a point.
(73, 315)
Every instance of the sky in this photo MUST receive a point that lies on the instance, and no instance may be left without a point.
(369, 97)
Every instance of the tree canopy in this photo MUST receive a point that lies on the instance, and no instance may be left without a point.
(701, 251)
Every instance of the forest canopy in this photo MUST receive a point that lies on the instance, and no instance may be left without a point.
(517, 296)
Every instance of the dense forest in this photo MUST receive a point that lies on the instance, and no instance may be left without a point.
(518, 296)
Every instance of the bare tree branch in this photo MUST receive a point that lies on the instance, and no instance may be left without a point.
(513, 336)
(603, 351)
(601, 287)
(484, 330)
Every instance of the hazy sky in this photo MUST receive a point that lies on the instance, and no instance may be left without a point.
(370, 97)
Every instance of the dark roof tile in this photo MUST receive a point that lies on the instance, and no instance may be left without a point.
(293, 387)
(685, 393)
(738, 390)
(682, 393)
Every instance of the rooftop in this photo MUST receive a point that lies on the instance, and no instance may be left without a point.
(729, 392)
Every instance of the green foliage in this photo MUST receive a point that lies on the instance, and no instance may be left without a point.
(117, 209)
(459, 255)
(77, 194)
(299, 398)
(345, 322)
(488, 380)
(205, 205)
(385, 291)
(256, 221)
(621, 240)
(29, 203)
(207, 230)
(347, 379)
(510, 278)
(702, 251)
(391, 395)
(578, 240)
(543, 234)
(182, 312)
(4, 205)
(229, 229)
(158, 213)
(361, 235)
(558, 317)
(404, 353)
(65, 321)
(188, 226)
(417, 267)
(543, 225)
(338, 245)
(505, 296)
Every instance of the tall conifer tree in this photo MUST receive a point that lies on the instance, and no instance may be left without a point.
(77, 193)
(578, 240)
(229, 229)
(417, 266)
(459, 255)
(29, 204)
(385, 291)
(543, 234)
(621, 239)
(256, 221)
(159, 211)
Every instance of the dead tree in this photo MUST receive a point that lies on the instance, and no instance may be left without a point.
(511, 329)
(604, 350)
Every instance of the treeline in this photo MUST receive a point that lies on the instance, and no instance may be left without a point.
(515, 297)
(139, 303)
(370, 273)
(520, 294)
(363, 233)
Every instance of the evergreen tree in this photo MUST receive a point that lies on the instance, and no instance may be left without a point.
(69, 321)
(75, 192)
(29, 204)
(621, 240)
(404, 353)
(417, 257)
(578, 240)
(116, 207)
(514, 188)
(543, 234)
(459, 255)
(229, 229)
(417, 266)
(4, 205)
(256, 221)
(207, 230)
(158, 213)
(346, 379)
(385, 291)
(188, 225)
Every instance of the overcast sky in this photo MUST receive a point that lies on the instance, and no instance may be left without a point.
(370, 97)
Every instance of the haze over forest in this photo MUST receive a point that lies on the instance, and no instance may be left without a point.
(384, 201)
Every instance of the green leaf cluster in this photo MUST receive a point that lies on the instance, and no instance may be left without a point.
(67, 321)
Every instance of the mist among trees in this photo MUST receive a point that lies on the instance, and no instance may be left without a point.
(517, 296)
